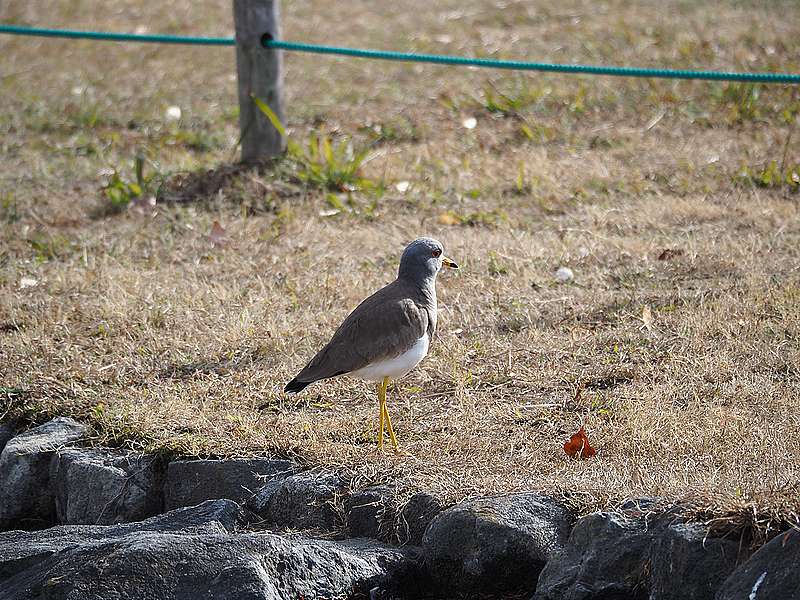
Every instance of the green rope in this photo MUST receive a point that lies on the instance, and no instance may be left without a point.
(117, 37)
(413, 57)
(532, 66)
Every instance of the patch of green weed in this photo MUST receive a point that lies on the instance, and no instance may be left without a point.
(396, 131)
(8, 208)
(330, 165)
(47, 247)
(741, 99)
(771, 176)
(511, 102)
(121, 191)
(496, 267)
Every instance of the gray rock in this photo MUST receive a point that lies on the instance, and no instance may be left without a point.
(189, 482)
(772, 572)
(633, 554)
(26, 498)
(134, 561)
(370, 512)
(688, 565)
(6, 433)
(415, 516)
(606, 556)
(227, 514)
(20, 549)
(495, 545)
(307, 500)
(103, 487)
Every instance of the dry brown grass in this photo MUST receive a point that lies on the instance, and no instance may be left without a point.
(163, 340)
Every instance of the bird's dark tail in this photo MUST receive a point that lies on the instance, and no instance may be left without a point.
(296, 386)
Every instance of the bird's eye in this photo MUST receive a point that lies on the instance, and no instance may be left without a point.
(436, 253)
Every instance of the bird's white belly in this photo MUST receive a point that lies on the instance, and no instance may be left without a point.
(395, 367)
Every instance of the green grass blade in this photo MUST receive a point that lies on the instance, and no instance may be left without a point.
(270, 114)
(327, 150)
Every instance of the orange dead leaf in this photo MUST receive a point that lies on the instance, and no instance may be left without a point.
(448, 218)
(578, 445)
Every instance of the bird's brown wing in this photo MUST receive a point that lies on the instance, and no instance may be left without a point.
(383, 326)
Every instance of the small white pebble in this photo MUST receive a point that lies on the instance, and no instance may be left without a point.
(402, 186)
(27, 282)
(143, 204)
(470, 123)
(173, 113)
(564, 274)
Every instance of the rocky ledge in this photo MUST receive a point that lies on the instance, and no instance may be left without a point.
(90, 523)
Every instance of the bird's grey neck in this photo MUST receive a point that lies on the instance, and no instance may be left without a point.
(426, 286)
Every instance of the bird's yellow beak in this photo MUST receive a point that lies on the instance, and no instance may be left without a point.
(447, 262)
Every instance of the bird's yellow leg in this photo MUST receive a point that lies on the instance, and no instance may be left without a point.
(388, 419)
(382, 410)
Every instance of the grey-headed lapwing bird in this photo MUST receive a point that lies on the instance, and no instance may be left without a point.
(389, 333)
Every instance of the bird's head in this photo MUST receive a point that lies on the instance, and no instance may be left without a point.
(423, 259)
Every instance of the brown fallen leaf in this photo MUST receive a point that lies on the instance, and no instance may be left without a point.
(669, 253)
(578, 445)
(647, 317)
(576, 400)
(217, 235)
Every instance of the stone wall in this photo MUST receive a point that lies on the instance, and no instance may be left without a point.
(90, 523)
